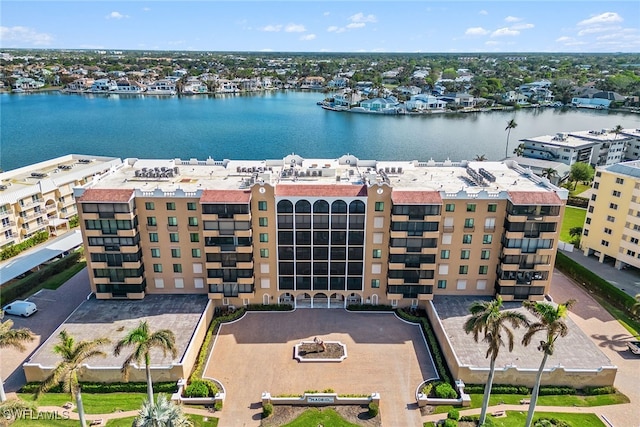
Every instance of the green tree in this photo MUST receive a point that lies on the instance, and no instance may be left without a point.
(519, 150)
(575, 233)
(549, 173)
(550, 320)
(487, 320)
(74, 355)
(617, 130)
(14, 338)
(143, 340)
(480, 158)
(511, 124)
(581, 172)
(635, 308)
(162, 414)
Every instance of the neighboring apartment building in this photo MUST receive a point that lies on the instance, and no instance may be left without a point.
(320, 232)
(40, 196)
(612, 225)
(596, 147)
(633, 143)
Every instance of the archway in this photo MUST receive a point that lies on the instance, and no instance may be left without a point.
(286, 298)
(320, 300)
(354, 298)
(374, 299)
(304, 301)
(336, 301)
(265, 299)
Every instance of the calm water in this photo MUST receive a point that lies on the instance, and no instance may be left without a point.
(36, 127)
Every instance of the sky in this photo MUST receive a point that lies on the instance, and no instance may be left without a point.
(324, 26)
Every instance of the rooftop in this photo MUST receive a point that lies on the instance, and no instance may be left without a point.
(346, 176)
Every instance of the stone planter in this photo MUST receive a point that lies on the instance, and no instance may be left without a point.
(179, 398)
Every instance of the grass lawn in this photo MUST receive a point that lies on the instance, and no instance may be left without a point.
(573, 217)
(315, 417)
(518, 418)
(198, 421)
(580, 188)
(105, 403)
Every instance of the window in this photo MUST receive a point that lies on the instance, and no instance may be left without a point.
(264, 237)
(619, 181)
(464, 269)
(262, 205)
(191, 206)
(487, 239)
(194, 237)
(483, 269)
(485, 254)
(616, 193)
(634, 240)
(461, 284)
(466, 238)
(465, 254)
(588, 220)
(492, 207)
(611, 218)
(263, 221)
(153, 237)
(155, 253)
(613, 206)
(585, 232)
(378, 222)
(449, 207)
(196, 253)
(590, 209)
(375, 283)
(264, 253)
(171, 206)
(151, 220)
(631, 253)
(157, 268)
(177, 268)
(377, 253)
(173, 237)
(379, 206)
(172, 221)
(604, 243)
(175, 253)
(471, 207)
(444, 254)
(468, 223)
(149, 206)
(442, 284)
(193, 221)
(607, 230)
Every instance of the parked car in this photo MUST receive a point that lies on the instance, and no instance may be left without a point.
(634, 347)
(20, 308)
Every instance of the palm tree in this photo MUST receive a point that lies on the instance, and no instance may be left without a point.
(480, 158)
(617, 130)
(143, 340)
(549, 173)
(13, 408)
(511, 124)
(635, 308)
(74, 356)
(163, 413)
(14, 338)
(487, 319)
(550, 319)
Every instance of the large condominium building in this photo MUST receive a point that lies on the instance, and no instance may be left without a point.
(320, 232)
(39, 197)
(596, 147)
(612, 225)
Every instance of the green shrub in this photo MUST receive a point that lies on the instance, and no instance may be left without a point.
(73, 221)
(163, 387)
(328, 390)
(197, 388)
(593, 391)
(374, 409)
(267, 410)
(557, 391)
(369, 307)
(550, 422)
(453, 414)
(269, 307)
(427, 388)
(218, 405)
(445, 391)
(32, 241)
(450, 423)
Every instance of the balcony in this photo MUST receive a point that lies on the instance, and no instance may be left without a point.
(398, 234)
(7, 225)
(243, 233)
(244, 265)
(4, 214)
(244, 249)
(133, 264)
(28, 205)
(172, 227)
(448, 229)
(213, 265)
(514, 234)
(133, 280)
(6, 239)
(51, 208)
(152, 227)
(511, 251)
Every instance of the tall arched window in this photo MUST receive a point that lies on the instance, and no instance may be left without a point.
(303, 206)
(356, 206)
(285, 206)
(339, 206)
(321, 206)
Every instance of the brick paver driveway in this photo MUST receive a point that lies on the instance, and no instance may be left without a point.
(255, 354)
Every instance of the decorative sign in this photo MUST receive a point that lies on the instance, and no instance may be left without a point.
(320, 399)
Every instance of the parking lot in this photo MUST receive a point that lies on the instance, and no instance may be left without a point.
(255, 354)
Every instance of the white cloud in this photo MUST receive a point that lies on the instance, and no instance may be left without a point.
(295, 28)
(353, 25)
(307, 37)
(597, 29)
(146, 9)
(483, 12)
(116, 15)
(23, 36)
(361, 17)
(271, 28)
(512, 19)
(332, 29)
(501, 32)
(266, 49)
(564, 39)
(522, 26)
(491, 43)
(476, 31)
(603, 18)
(326, 14)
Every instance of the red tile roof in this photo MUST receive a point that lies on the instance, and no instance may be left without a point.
(534, 198)
(225, 196)
(337, 190)
(416, 197)
(106, 195)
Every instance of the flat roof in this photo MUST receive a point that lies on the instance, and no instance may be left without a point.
(564, 140)
(343, 177)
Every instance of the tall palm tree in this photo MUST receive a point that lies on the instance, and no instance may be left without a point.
(511, 124)
(635, 308)
(143, 340)
(14, 338)
(480, 158)
(549, 173)
(163, 413)
(487, 319)
(617, 130)
(550, 319)
(74, 356)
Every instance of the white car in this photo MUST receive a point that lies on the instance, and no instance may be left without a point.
(20, 308)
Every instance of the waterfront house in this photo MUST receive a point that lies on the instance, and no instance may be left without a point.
(464, 100)
(312, 82)
(424, 102)
(378, 104)
(346, 98)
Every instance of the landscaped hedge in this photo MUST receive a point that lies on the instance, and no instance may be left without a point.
(14, 250)
(369, 307)
(544, 390)
(163, 387)
(432, 341)
(593, 282)
(269, 307)
(201, 388)
(579, 202)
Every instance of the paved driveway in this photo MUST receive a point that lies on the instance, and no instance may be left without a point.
(255, 354)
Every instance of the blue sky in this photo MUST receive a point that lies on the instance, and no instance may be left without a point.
(326, 26)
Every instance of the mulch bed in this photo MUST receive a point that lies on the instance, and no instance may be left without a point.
(356, 414)
(310, 351)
